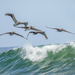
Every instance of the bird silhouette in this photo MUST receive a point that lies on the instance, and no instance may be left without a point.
(37, 32)
(12, 33)
(60, 30)
(14, 19)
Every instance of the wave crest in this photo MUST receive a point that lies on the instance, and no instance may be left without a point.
(39, 53)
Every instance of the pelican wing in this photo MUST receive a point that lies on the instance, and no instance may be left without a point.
(35, 29)
(25, 23)
(22, 27)
(19, 35)
(51, 27)
(67, 31)
(43, 33)
(29, 33)
(5, 33)
(12, 15)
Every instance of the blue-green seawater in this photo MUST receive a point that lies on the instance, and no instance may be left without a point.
(53, 59)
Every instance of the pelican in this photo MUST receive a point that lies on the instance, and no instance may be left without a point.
(14, 19)
(36, 32)
(29, 28)
(12, 33)
(60, 30)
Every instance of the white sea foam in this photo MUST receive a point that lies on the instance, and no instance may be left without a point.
(72, 44)
(39, 53)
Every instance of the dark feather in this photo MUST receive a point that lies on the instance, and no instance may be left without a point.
(4, 33)
(19, 35)
(12, 16)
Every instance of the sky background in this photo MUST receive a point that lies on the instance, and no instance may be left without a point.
(39, 13)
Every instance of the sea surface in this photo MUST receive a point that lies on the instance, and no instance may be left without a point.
(51, 59)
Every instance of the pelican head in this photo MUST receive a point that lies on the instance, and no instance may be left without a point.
(32, 26)
(62, 28)
(26, 23)
(14, 31)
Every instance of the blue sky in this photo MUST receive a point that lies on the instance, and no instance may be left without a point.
(40, 13)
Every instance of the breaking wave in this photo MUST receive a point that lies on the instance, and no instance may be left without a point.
(58, 59)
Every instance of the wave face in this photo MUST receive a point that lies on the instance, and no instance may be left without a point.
(55, 59)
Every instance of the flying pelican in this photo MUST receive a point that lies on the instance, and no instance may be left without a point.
(12, 33)
(60, 30)
(29, 28)
(36, 32)
(14, 19)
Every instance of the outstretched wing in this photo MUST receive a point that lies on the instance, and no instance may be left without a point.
(12, 16)
(43, 33)
(19, 35)
(29, 33)
(25, 23)
(35, 29)
(23, 27)
(67, 31)
(51, 27)
(5, 33)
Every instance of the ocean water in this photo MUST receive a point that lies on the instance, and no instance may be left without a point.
(52, 59)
